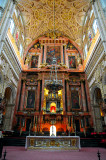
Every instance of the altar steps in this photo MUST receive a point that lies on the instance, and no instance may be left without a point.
(85, 142)
(90, 142)
(14, 141)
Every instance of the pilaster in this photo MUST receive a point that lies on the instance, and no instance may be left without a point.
(22, 96)
(83, 96)
(38, 95)
(68, 96)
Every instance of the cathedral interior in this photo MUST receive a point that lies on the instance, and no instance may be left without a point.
(53, 66)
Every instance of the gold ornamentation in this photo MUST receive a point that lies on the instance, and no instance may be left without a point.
(38, 17)
(32, 142)
(73, 142)
(43, 65)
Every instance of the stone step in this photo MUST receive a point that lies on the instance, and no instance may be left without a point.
(20, 141)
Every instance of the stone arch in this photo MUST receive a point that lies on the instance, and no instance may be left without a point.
(9, 97)
(92, 91)
(96, 97)
(10, 88)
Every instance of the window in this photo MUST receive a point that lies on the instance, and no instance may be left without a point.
(90, 36)
(21, 50)
(12, 26)
(95, 26)
(85, 50)
(17, 36)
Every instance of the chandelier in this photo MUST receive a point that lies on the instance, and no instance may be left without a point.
(53, 84)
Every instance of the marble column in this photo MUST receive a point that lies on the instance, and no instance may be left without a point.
(83, 97)
(38, 96)
(22, 96)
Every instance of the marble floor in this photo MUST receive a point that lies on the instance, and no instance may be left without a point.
(19, 153)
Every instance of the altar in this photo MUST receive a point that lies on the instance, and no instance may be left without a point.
(49, 142)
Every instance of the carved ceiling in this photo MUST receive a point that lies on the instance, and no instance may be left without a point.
(38, 17)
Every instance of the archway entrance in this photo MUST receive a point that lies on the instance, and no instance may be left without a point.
(97, 105)
(8, 109)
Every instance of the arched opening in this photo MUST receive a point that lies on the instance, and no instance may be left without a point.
(8, 95)
(97, 107)
(9, 109)
(97, 96)
(52, 130)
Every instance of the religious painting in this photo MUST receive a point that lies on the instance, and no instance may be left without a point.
(75, 100)
(31, 99)
(72, 61)
(34, 62)
(51, 52)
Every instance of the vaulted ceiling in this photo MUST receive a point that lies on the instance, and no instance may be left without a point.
(38, 17)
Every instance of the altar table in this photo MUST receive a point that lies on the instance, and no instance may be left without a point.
(49, 142)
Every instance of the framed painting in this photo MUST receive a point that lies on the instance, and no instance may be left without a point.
(51, 52)
(31, 99)
(72, 61)
(34, 62)
(75, 100)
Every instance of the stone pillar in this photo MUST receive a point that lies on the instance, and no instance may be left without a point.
(83, 97)
(98, 12)
(38, 96)
(8, 118)
(18, 92)
(98, 121)
(22, 96)
(68, 96)
(105, 119)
